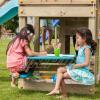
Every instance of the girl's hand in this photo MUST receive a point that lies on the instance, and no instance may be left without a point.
(58, 45)
(54, 45)
(44, 53)
(75, 66)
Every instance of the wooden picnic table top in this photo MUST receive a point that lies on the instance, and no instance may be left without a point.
(52, 57)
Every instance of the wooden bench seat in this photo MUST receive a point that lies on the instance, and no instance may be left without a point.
(40, 85)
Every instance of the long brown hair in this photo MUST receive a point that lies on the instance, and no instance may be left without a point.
(86, 34)
(25, 31)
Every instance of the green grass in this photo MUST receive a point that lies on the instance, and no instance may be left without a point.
(8, 93)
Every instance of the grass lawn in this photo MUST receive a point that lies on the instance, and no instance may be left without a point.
(8, 93)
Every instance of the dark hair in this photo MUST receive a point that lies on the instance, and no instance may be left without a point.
(86, 34)
(23, 34)
(25, 31)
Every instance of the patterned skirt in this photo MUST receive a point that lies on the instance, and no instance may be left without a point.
(81, 75)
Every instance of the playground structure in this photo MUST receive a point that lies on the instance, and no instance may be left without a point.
(8, 10)
(72, 14)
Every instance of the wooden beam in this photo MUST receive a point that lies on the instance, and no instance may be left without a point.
(83, 1)
(57, 11)
(62, 36)
(98, 73)
(95, 27)
(96, 64)
(67, 44)
(97, 69)
(87, 2)
(56, 34)
(64, 39)
(37, 34)
(98, 45)
(22, 22)
(92, 26)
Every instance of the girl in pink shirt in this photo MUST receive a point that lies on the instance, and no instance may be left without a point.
(18, 49)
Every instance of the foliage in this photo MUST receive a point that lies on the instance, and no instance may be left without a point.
(12, 24)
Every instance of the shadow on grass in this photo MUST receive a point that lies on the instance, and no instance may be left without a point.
(37, 95)
(28, 92)
(95, 96)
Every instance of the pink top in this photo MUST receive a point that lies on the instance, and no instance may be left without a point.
(16, 55)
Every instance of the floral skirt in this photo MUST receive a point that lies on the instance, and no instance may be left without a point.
(81, 75)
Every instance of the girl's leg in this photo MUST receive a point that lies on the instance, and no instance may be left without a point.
(60, 73)
(14, 75)
(14, 79)
(62, 88)
(63, 85)
(13, 82)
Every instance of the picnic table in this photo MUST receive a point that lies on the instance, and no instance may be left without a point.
(47, 63)
(47, 77)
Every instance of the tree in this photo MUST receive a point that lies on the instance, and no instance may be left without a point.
(12, 24)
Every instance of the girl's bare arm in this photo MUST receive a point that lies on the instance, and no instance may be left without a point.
(87, 59)
(29, 52)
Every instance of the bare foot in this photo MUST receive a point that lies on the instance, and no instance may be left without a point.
(53, 92)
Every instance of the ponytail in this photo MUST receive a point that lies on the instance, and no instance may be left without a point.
(93, 47)
(86, 34)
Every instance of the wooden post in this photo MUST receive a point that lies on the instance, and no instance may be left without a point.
(98, 46)
(98, 40)
(97, 61)
(67, 44)
(92, 27)
(62, 37)
(98, 77)
(56, 34)
(37, 34)
(65, 40)
(22, 22)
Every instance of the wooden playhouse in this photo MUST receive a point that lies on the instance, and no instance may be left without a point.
(72, 14)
